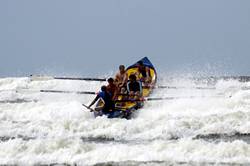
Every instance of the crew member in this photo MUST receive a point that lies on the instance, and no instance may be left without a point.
(121, 77)
(106, 97)
(144, 73)
(134, 87)
(112, 88)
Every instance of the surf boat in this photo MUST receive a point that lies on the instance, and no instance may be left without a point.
(128, 107)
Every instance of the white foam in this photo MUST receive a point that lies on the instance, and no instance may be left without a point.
(54, 123)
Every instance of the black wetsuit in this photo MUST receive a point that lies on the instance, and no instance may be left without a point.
(134, 86)
(109, 104)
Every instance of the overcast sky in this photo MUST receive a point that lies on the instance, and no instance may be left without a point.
(89, 37)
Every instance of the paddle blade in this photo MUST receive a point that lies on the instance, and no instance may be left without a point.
(91, 110)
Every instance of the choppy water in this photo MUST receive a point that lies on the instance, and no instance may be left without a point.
(210, 128)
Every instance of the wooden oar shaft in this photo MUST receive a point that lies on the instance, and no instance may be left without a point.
(40, 78)
(45, 78)
(77, 92)
(164, 98)
(146, 99)
(79, 78)
(81, 92)
(180, 87)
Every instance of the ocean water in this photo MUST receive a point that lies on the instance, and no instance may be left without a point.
(206, 124)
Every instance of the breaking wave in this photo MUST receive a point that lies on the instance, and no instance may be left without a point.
(205, 123)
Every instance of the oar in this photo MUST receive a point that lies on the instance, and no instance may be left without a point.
(164, 98)
(76, 92)
(46, 78)
(79, 92)
(180, 87)
(78, 78)
(91, 110)
(146, 99)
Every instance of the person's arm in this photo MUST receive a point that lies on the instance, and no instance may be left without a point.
(115, 93)
(125, 79)
(93, 102)
(116, 77)
(138, 75)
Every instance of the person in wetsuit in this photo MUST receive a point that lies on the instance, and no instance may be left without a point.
(134, 87)
(106, 97)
